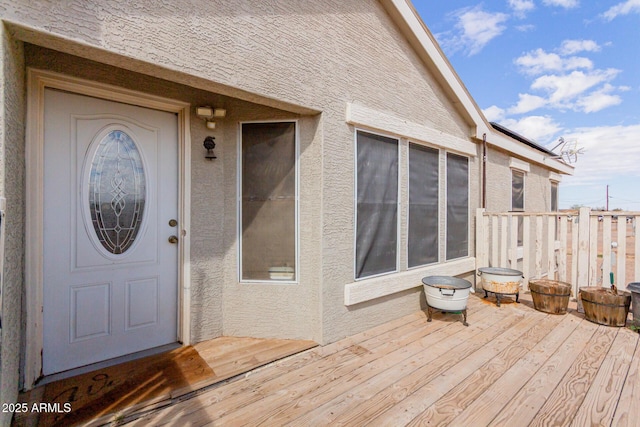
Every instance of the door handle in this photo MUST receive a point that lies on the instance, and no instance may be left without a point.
(173, 239)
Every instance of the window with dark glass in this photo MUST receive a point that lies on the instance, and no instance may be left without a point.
(268, 202)
(554, 197)
(517, 200)
(423, 205)
(376, 204)
(457, 206)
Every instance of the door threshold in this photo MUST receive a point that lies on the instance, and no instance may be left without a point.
(107, 363)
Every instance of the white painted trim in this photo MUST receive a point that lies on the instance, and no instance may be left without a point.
(372, 288)
(519, 165)
(296, 204)
(37, 81)
(355, 206)
(531, 154)
(368, 118)
(555, 177)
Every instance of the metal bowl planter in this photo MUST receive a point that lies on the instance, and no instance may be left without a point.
(501, 281)
(447, 294)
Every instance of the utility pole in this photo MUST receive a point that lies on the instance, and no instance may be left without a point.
(607, 197)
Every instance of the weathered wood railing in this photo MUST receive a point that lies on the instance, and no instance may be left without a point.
(582, 249)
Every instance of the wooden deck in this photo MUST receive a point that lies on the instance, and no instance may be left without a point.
(513, 366)
(114, 392)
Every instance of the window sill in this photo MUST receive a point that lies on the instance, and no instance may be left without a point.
(369, 289)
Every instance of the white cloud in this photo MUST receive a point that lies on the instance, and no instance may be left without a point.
(567, 4)
(526, 27)
(608, 151)
(475, 29)
(598, 100)
(564, 88)
(535, 128)
(570, 47)
(494, 113)
(521, 7)
(539, 61)
(527, 103)
(624, 8)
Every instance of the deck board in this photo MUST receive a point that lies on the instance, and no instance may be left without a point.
(525, 404)
(600, 402)
(512, 366)
(628, 411)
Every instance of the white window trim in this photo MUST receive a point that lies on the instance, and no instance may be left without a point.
(519, 165)
(555, 177)
(297, 204)
(394, 127)
(377, 287)
(440, 198)
(468, 207)
(355, 205)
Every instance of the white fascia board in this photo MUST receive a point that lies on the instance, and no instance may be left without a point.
(440, 62)
(528, 153)
(368, 118)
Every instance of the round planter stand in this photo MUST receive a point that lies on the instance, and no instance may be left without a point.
(499, 296)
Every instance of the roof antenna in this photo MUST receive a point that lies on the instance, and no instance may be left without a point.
(569, 150)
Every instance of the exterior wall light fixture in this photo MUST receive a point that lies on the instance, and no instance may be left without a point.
(210, 144)
(208, 114)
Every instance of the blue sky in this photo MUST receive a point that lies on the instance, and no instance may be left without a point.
(555, 68)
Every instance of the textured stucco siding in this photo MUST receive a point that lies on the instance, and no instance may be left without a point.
(219, 304)
(311, 56)
(12, 186)
(537, 184)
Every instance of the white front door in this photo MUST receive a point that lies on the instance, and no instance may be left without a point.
(110, 206)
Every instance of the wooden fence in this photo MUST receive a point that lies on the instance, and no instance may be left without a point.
(584, 248)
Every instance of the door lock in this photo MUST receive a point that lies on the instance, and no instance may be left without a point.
(173, 239)
(173, 223)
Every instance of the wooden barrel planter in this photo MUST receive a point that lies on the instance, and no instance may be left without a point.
(550, 296)
(603, 306)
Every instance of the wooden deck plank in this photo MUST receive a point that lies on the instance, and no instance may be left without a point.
(600, 402)
(492, 401)
(285, 397)
(512, 366)
(562, 405)
(628, 410)
(450, 405)
(381, 392)
(525, 404)
(227, 399)
(429, 392)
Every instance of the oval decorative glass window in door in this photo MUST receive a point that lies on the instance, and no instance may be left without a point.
(117, 190)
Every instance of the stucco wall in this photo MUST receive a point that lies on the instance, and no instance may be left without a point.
(537, 194)
(12, 107)
(317, 55)
(537, 191)
(219, 304)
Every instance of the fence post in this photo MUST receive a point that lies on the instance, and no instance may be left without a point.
(583, 250)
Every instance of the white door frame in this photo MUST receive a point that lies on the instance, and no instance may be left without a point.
(37, 81)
